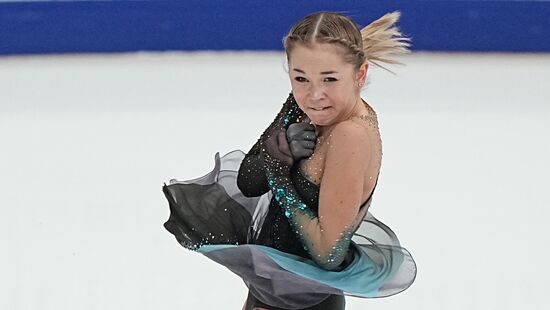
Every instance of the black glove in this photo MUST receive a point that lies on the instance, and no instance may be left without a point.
(301, 139)
(277, 146)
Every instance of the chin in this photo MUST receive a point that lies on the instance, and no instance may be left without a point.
(317, 122)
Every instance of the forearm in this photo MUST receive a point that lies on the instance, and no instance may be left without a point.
(327, 248)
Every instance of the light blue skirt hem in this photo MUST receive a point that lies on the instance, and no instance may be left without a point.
(361, 278)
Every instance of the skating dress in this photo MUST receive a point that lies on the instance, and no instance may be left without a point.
(246, 214)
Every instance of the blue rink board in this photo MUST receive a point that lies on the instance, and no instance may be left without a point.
(120, 26)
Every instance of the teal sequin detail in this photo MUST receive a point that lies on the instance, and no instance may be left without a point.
(286, 120)
(288, 200)
(287, 213)
(289, 114)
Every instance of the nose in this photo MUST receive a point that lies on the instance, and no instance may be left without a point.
(317, 91)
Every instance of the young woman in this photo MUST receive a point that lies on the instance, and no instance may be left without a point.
(291, 217)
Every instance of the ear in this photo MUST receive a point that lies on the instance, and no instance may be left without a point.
(362, 73)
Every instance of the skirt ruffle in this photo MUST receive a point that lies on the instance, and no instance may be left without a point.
(210, 215)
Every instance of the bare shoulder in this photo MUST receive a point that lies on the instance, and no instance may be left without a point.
(349, 133)
(348, 151)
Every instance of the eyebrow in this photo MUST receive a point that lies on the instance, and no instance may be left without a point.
(324, 72)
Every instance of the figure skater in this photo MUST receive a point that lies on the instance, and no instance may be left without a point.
(291, 217)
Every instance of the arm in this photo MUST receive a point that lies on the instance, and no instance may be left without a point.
(252, 180)
(327, 236)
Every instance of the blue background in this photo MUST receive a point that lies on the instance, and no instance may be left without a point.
(119, 26)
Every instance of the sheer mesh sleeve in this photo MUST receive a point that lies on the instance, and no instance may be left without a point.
(252, 180)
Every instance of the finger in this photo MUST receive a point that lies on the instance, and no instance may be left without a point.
(301, 153)
(283, 144)
(294, 146)
(299, 150)
(296, 128)
(301, 126)
(297, 131)
(306, 144)
(307, 135)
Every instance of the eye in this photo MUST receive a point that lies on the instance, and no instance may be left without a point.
(330, 79)
(300, 79)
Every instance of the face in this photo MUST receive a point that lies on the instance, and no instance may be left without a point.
(324, 85)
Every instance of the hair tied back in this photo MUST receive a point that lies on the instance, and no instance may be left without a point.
(382, 40)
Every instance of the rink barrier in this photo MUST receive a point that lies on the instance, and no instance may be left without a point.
(122, 26)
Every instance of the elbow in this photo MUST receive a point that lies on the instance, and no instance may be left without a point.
(251, 183)
(241, 185)
(245, 186)
(244, 190)
(242, 181)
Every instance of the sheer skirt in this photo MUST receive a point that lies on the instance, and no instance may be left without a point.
(212, 216)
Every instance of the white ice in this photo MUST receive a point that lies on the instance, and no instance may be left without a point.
(86, 142)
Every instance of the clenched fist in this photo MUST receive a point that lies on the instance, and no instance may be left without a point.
(301, 139)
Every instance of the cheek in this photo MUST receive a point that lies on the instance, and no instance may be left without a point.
(299, 102)
(342, 93)
(298, 93)
(297, 87)
(334, 95)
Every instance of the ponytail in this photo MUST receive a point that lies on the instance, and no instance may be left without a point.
(382, 40)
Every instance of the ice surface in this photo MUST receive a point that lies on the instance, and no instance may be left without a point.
(86, 142)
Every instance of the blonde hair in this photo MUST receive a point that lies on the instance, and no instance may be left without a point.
(376, 43)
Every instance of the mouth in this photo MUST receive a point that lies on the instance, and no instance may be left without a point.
(319, 109)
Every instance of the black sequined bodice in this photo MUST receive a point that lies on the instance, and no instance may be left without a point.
(276, 231)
